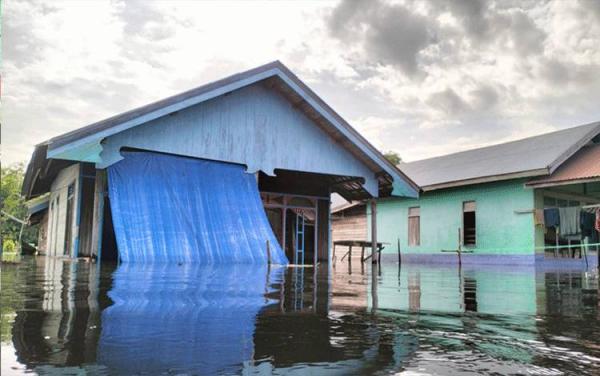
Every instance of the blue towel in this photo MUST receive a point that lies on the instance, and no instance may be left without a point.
(551, 217)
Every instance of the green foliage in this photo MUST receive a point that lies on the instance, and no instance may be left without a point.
(13, 203)
(9, 246)
(393, 157)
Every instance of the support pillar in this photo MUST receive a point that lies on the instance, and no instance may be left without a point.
(374, 231)
(98, 215)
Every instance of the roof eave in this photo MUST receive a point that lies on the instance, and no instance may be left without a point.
(485, 179)
(547, 184)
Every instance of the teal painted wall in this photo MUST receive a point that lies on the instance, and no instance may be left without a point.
(499, 229)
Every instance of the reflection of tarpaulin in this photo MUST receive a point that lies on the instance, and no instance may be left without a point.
(189, 319)
(182, 210)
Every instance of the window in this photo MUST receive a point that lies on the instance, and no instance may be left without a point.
(469, 223)
(414, 226)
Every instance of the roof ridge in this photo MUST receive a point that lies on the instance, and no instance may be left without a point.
(189, 92)
(596, 123)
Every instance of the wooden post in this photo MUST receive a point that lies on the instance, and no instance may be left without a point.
(373, 230)
(459, 249)
(98, 214)
(556, 241)
(349, 255)
(362, 255)
(374, 281)
(268, 252)
(283, 226)
(399, 254)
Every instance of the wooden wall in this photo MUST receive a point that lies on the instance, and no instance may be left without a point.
(58, 213)
(43, 233)
(350, 224)
(87, 213)
(253, 126)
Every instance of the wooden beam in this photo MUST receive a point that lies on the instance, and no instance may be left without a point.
(98, 216)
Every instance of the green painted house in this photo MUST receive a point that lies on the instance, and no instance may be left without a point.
(489, 202)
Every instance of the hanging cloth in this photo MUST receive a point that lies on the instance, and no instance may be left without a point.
(569, 220)
(551, 217)
(587, 222)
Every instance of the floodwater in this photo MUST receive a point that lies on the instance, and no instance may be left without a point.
(63, 317)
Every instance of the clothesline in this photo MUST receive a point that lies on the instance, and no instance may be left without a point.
(590, 206)
(587, 208)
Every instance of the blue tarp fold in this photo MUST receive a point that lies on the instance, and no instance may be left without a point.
(170, 209)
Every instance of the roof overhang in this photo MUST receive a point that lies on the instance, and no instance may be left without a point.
(85, 144)
(561, 183)
(38, 204)
(486, 179)
(40, 172)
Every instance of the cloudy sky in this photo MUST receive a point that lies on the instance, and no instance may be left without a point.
(419, 78)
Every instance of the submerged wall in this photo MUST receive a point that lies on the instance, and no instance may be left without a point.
(57, 213)
(500, 229)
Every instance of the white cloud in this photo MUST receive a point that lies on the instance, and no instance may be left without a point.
(451, 83)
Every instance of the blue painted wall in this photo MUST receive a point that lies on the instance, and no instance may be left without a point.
(254, 126)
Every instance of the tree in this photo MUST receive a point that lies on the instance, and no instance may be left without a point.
(13, 203)
(393, 157)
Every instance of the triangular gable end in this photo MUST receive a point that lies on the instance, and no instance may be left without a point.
(87, 144)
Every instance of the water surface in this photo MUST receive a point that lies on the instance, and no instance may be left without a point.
(66, 317)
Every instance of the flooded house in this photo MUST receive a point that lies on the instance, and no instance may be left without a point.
(238, 170)
(513, 203)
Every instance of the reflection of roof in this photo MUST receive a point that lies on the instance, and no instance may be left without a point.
(584, 165)
(533, 156)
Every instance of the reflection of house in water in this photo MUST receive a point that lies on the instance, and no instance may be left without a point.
(332, 332)
(61, 327)
(218, 320)
(247, 319)
(457, 290)
(168, 318)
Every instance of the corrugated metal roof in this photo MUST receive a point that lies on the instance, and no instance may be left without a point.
(533, 156)
(584, 165)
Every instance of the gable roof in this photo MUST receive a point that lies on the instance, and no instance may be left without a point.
(584, 166)
(84, 144)
(528, 157)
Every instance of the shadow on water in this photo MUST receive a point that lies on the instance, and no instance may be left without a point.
(70, 317)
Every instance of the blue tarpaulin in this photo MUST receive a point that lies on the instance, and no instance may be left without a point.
(181, 210)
